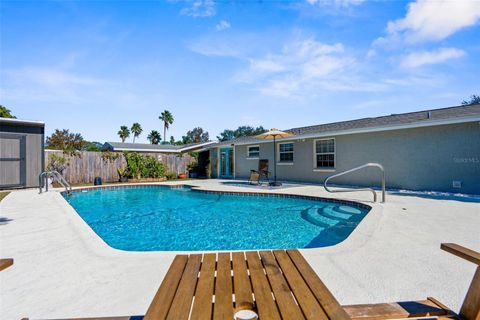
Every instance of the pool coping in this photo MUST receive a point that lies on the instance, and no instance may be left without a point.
(357, 238)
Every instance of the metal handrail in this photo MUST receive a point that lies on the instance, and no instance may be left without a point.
(55, 174)
(371, 164)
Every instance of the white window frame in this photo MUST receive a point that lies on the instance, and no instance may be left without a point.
(248, 152)
(324, 169)
(286, 163)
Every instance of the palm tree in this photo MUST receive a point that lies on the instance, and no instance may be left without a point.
(136, 130)
(154, 137)
(167, 118)
(123, 133)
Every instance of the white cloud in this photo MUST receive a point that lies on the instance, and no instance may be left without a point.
(200, 8)
(432, 21)
(223, 25)
(300, 66)
(417, 59)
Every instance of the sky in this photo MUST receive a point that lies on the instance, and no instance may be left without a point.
(92, 66)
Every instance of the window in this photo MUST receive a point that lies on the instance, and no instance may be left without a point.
(253, 151)
(285, 152)
(325, 153)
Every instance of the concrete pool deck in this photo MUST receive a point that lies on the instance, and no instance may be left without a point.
(63, 269)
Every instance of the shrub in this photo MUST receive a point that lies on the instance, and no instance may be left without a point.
(139, 166)
(57, 163)
(171, 175)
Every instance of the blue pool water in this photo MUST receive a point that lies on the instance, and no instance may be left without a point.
(177, 219)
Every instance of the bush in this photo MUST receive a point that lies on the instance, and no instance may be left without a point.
(171, 175)
(139, 166)
(57, 163)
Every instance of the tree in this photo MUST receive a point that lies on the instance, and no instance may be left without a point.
(6, 113)
(167, 118)
(242, 131)
(474, 99)
(154, 137)
(66, 141)
(196, 135)
(226, 135)
(123, 133)
(92, 146)
(136, 129)
(172, 140)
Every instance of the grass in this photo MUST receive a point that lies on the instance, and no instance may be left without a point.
(3, 194)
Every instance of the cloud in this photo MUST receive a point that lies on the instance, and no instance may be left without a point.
(200, 8)
(223, 25)
(340, 3)
(432, 21)
(299, 66)
(417, 59)
(48, 84)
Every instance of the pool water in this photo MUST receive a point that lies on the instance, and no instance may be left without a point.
(160, 218)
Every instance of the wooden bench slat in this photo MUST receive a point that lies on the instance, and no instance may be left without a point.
(266, 307)
(395, 310)
(470, 308)
(202, 307)
(286, 304)
(160, 304)
(223, 308)
(326, 299)
(180, 308)
(241, 281)
(305, 298)
(462, 252)
(5, 263)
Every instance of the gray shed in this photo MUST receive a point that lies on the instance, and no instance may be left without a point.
(21, 153)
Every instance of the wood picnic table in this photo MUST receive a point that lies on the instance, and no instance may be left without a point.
(277, 284)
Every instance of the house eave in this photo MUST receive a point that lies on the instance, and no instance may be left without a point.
(422, 124)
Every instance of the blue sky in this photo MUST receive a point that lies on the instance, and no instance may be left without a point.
(92, 66)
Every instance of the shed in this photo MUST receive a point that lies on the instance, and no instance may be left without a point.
(21, 153)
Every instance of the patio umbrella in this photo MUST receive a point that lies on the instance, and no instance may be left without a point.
(273, 134)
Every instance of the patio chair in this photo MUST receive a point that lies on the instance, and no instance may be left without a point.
(262, 172)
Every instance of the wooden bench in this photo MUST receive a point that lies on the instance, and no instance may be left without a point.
(280, 284)
(5, 263)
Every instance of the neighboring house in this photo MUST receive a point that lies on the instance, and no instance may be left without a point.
(155, 148)
(427, 150)
(21, 153)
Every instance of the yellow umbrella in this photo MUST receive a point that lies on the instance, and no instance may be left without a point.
(273, 134)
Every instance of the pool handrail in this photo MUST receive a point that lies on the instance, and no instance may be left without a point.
(370, 164)
(55, 174)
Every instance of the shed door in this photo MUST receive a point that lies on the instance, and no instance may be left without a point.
(12, 161)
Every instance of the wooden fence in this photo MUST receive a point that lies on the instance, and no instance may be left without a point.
(85, 166)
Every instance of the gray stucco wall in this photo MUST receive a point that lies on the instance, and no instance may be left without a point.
(214, 162)
(34, 143)
(429, 158)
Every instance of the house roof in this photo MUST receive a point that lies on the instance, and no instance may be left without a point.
(424, 118)
(161, 148)
(20, 122)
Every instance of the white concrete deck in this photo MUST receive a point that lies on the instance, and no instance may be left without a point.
(63, 269)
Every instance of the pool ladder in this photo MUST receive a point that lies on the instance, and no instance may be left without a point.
(371, 164)
(43, 180)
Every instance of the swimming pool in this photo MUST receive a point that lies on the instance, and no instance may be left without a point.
(160, 218)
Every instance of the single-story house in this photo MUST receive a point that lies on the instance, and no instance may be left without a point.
(436, 150)
(21, 153)
(155, 148)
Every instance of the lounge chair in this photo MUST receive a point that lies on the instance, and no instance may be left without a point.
(184, 294)
(262, 172)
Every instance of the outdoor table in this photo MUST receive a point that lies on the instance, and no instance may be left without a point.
(277, 284)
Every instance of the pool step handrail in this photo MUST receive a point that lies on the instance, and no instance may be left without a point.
(43, 180)
(370, 164)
